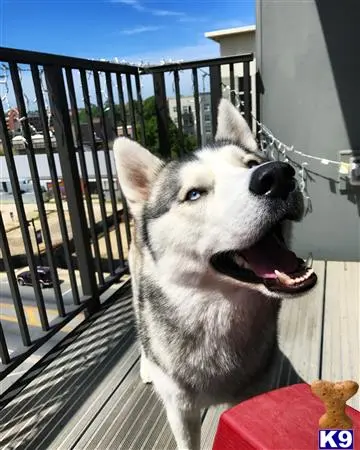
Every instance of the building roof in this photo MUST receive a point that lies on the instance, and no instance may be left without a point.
(23, 169)
(218, 34)
(188, 97)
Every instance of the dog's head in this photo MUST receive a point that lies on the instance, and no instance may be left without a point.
(219, 211)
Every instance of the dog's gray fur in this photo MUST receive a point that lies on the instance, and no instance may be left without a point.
(204, 336)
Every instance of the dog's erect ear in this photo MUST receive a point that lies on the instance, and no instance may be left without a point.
(136, 169)
(232, 126)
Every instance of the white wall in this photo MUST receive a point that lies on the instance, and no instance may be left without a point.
(238, 44)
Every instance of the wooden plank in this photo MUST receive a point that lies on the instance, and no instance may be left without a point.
(134, 418)
(90, 408)
(158, 434)
(210, 424)
(300, 325)
(69, 377)
(340, 357)
(128, 418)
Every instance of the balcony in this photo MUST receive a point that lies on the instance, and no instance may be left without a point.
(70, 357)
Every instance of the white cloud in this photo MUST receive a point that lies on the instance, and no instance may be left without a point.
(202, 50)
(167, 13)
(139, 30)
(133, 3)
(125, 2)
(189, 19)
(155, 12)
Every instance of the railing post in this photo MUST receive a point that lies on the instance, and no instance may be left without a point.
(70, 173)
(140, 109)
(259, 92)
(215, 89)
(162, 113)
(247, 93)
(197, 106)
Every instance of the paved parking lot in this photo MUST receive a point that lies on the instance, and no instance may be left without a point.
(14, 235)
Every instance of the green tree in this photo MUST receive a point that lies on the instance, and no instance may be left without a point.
(95, 111)
(152, 137)
(151, 126)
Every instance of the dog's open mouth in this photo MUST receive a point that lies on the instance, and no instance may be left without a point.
(270, 262)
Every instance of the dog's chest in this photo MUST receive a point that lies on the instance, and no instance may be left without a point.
(217, 350)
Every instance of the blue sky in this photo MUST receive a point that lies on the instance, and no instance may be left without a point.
(127, 29)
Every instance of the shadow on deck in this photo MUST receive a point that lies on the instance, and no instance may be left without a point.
(87, 394)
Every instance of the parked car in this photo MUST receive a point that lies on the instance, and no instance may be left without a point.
(24, 278)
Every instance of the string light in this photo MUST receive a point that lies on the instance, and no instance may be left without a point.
(45, 97)
(103, 91)
(269, 143)
(276, 142)
(4, 82)
(204, 75)
(267, 139)
(26, 98)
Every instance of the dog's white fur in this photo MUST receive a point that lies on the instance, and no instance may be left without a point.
(179, 285)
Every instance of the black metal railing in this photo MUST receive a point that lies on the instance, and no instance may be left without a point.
(88, 233)
(239, 80)
(93, 230)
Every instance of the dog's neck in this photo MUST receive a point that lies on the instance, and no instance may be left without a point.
(207, 295)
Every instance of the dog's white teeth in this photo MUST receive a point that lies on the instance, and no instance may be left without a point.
(309, 272)
(309, 261)
(283, 278)
(288, 281)
(241, 262)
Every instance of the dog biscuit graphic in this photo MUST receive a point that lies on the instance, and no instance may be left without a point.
(334, 396)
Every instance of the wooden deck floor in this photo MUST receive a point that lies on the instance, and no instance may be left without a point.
(88, 394)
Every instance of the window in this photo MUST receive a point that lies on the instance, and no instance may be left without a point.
(174, 109)
(206, 107)
(207, 117)
(185, 109)
(207, 129)
(241, 84)
(105, 184)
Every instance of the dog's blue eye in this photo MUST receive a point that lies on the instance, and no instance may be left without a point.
(193, 195)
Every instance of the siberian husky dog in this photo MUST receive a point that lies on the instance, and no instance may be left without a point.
(209, 267)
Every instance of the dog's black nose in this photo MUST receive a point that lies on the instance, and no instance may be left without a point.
(273, 179)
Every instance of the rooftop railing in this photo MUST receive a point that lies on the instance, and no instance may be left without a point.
(81, 230)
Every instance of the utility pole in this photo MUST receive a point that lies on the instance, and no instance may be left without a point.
(36, 239)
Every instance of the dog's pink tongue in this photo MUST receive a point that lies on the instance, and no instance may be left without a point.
(269, 255)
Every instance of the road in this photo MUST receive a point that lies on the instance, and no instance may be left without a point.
(8, 316)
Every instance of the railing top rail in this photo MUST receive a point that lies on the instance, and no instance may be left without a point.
(30, 57)
(197, 64)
